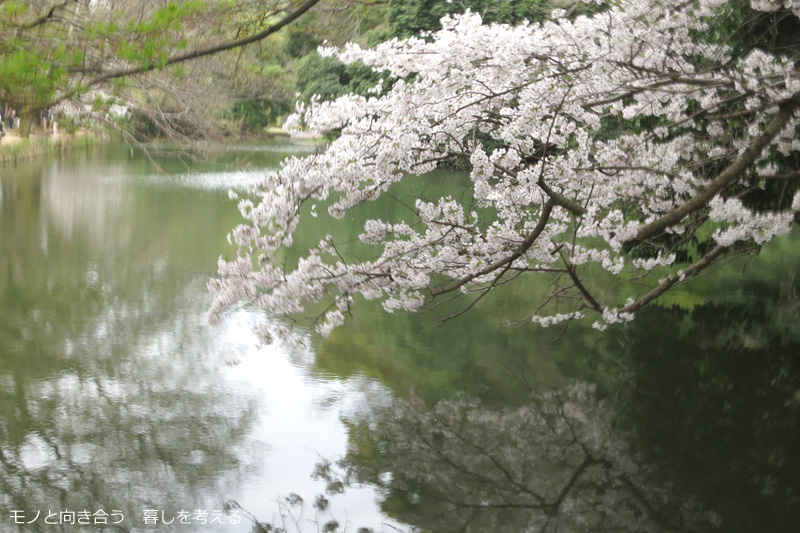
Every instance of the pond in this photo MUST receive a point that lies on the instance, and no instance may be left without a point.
(122, 409)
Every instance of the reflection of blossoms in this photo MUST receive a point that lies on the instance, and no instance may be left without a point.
(554, 464)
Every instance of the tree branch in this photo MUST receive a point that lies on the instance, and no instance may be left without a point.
(46, 17)
(672, 279)
(194, 54)
(547, 208)
(785, 176)
(588, 299)
(734, 171)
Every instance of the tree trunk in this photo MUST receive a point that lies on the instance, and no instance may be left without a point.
(27, 118)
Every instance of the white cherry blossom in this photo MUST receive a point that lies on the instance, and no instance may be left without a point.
(608, 140)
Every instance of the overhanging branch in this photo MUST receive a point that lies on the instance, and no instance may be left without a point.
(735, 171)
(717, 252)
(201, 52)
(544, 218)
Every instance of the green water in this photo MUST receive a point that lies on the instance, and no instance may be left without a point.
(117, 396)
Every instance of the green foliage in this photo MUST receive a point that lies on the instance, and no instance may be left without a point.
(156, 35)
(324, 76)
(168, 17)
(299, 43)
(740, 26)
(329, 78)
(410, 17)
(30, 73)
(67, 124)
(361, 78)
(45, 59)
(12, 9)
(258, 113)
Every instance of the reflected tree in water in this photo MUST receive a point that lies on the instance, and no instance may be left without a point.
(698, 430)
(554, 464)
(108, 398)
(713, 394)
(117, 433)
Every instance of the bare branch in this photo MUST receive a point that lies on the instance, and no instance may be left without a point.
(197, 53)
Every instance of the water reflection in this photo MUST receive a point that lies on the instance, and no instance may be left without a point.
(108, 399)
(556, 463)
(694, 428)
(114, 393)
(714, 397)
(87, 208)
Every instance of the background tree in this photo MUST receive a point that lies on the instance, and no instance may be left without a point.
(410, 18)
(264, 85)
(634, 140)
(94, 52)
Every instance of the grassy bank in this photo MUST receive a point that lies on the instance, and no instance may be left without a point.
(13, 147)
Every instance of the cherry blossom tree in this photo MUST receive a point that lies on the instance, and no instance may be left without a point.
(637, 140)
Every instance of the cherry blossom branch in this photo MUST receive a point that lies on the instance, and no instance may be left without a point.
(547, 208)
(732, 173)
(707, 260)
(588, 299)
(783, 176)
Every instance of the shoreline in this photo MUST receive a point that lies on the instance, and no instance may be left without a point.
(277, 132)
(13, 147)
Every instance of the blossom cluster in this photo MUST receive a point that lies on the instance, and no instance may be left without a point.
(586, 137)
